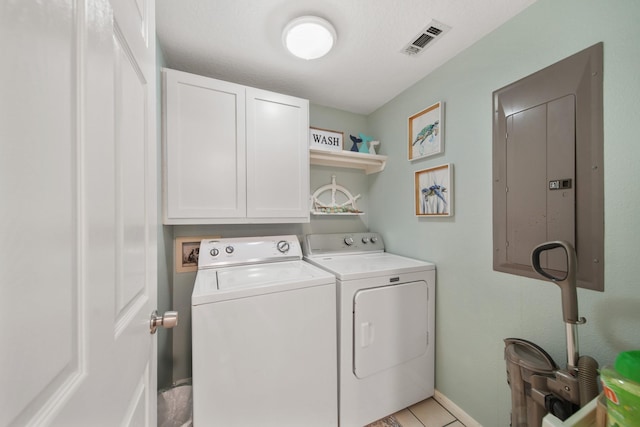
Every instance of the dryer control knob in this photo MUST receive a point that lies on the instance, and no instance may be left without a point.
(229, 249)
(348, 241)
(283, 246)
(373, 239)
(365, 240)
(214, 252)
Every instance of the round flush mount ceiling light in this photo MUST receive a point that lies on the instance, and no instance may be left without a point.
(309, 37)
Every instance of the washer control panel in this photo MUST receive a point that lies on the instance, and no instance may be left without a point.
(248, 250)
(322, 244)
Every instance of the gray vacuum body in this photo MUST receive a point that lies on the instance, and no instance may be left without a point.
(538, 386)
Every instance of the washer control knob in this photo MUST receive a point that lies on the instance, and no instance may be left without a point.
(373, 239)
(365, 240)
(348, 241)
(283, 246)
(229, 249)
(214, 252)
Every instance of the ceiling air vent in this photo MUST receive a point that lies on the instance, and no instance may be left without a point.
(425, 38)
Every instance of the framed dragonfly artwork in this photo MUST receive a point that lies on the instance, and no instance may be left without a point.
(434, 191)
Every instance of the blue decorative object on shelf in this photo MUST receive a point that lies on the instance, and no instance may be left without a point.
(364, 148)
(355, 140)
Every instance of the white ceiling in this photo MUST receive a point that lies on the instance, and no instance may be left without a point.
(241, 41)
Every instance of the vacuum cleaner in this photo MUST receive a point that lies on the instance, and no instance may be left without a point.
(538, 386)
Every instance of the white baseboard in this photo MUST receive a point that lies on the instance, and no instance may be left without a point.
(455, 410)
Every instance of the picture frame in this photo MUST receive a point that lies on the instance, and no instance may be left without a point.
(186, 251)
(326, 139)
(426, 132)
(434, 191)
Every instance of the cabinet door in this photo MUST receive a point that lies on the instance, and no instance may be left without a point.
(277, 157)
(204, 153)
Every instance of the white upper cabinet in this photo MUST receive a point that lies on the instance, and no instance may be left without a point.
(233, 154)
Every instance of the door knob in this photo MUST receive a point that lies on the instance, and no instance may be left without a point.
(168, 320)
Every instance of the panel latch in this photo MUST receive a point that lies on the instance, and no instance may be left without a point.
(560, 184)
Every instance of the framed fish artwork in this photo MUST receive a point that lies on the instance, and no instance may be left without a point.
(426, 132)
(434, 191)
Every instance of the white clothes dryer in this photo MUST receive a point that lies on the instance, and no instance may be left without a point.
(264, 336)
(386, 315)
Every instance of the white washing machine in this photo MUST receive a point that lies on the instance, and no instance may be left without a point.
(264, 336)
(386, 315)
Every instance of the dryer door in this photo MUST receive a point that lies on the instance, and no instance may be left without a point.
(390, 326)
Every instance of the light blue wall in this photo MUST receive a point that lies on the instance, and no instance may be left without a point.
(476, 307)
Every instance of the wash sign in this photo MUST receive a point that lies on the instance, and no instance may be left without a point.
(324, 139)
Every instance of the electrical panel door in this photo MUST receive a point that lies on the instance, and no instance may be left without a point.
(548, 175)
(540, 147)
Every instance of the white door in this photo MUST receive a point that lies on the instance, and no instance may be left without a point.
(77, 213)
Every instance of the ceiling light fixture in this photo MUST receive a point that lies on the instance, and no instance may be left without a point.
(309, 37)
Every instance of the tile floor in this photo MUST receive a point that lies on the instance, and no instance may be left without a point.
(428, 413)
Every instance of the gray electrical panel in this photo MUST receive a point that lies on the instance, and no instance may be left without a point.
(548, 168)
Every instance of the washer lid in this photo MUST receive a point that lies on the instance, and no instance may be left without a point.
(244, 281)
(350, 267)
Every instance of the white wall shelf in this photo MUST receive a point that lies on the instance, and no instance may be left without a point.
(370, 163)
